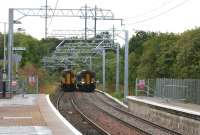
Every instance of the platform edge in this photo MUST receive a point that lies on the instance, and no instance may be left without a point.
(74, 130)
(113, 98)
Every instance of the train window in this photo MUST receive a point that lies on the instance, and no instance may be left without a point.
(88, 78)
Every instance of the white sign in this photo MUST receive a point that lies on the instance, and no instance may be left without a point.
(141, 84)
(14, 83)
(19, 49)
(31, 80)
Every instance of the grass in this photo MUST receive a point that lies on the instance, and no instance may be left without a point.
(118, 95)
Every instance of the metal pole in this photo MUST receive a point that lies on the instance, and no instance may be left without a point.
(90, 63)
(4, 49)
(10, 45)
(85, 22)
(37, 85)
(16, 69)
(126, 66)
(148, 87)
(117, 64)
(136, 91)
(46, 20)
(95, 22)
(4, 61)
(104, 61)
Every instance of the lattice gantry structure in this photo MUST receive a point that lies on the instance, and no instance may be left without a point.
(78, 52)
(81, 46)
(83, 13)
(89, 44)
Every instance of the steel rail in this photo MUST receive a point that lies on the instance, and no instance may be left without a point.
(122, 121)
(139, 118)
(97, 127)
(58, 100)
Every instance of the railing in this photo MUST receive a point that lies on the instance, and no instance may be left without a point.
(179, 89)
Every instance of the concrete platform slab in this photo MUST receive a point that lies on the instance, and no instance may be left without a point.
(113, 98)
(168, 113)
(54, 119)
(175, 105)
(19, 100)
(25, 130)
(32, 115)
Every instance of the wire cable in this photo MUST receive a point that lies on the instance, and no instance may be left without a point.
(151, 10)
(53, 12)
(158, 15)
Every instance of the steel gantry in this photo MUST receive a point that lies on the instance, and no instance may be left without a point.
(100, 13)
(89, 43)
(80, 52)
(83, 13)
(85, 50)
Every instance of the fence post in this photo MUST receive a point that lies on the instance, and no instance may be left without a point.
(136, 87)
(148, 87)
(37, 85)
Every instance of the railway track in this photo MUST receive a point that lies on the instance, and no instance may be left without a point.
(125, 111)
(103, 116)
(109, 122)
(97, 127)
(125, 116)
(83, 120)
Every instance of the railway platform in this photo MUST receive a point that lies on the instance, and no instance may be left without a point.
(32, 114)
(177, 115)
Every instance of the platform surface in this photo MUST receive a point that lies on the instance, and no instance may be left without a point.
(169, 103)
(31, 114)
(179, 116)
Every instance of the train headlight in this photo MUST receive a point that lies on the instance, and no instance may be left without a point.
(92, 81)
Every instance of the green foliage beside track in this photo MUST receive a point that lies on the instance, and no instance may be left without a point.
(151, 55)
(31, 59)
(155, 55)
(35, 49)
(165, 55)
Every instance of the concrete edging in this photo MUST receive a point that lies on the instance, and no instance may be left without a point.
(74, 130)
(176, 108)
(113, 98)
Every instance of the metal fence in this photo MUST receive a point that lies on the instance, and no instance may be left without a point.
(25, 87)
(145, 87)
(22, 86)
(186, 89)
(180, 89)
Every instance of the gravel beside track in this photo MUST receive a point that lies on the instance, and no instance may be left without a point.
(122, 113)
(111, 124)
(106, 113)
(63, 103)
(110, 102)
(104, 98)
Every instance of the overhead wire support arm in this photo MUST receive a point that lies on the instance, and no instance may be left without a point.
(113, 19)
(102, 13)
(46, 17)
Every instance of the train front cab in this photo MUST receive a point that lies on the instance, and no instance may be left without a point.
(68, 82)
(86, 81)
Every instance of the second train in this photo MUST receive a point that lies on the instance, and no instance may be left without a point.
(85, 81)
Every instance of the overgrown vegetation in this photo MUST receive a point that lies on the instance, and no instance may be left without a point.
(157, 55)
(31, 60)
(151, 55)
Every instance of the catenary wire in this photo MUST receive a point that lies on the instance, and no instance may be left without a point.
(164, 4)
(158, 15)
(53, 12)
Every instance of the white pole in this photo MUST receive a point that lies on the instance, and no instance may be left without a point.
(126, 66)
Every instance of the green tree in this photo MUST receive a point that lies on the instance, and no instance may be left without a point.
(188, 57)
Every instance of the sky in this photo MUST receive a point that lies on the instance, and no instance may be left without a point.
(149, 15)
